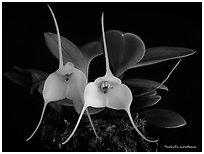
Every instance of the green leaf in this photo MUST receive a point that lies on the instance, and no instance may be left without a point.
(125, 50)
(161, 54)
(163, 118)
(18, 79)
(145, 101)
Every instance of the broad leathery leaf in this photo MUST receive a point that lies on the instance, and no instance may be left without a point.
(125, 50)
(18, 79)
(37, 75)
(163, 118)
(144, 101)
(161, 54)
(149, 84)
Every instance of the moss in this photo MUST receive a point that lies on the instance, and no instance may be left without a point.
(116, 132)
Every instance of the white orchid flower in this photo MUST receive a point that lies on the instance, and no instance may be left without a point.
(67, 82)
(107, 91)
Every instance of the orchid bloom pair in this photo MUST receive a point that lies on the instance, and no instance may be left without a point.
(69, 82)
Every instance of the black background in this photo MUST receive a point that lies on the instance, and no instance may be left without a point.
(158, 24)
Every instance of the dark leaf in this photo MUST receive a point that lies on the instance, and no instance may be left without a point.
(145, 101)
(125, 50)
(160, 54)
(18, 78)
(163, 118)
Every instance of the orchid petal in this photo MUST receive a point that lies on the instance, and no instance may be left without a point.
(161, 54)
(125, 50)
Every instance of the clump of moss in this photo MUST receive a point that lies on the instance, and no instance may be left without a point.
(116, 133)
